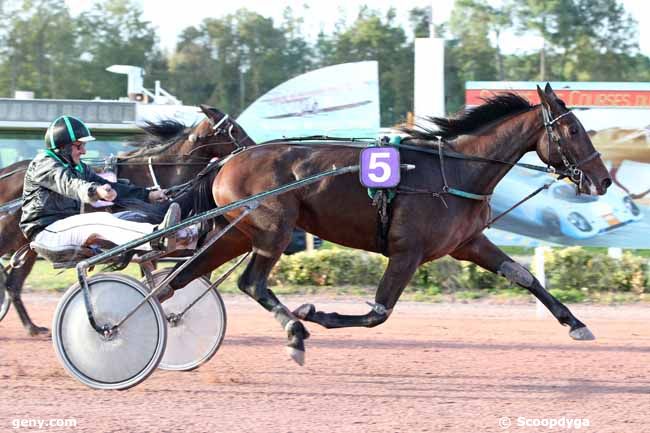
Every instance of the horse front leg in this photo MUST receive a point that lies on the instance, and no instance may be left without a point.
(488, 256)
(399, 271)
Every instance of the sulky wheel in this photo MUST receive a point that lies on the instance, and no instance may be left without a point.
(195, 336)
(122, 360)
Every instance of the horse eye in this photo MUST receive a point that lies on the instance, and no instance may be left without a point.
(573, 130)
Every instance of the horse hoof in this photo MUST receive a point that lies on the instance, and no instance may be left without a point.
(297, 355)
(35, 331)
(297, 331)
(582, 334)
(305, 311)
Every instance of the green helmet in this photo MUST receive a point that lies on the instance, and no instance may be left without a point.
(65, 130)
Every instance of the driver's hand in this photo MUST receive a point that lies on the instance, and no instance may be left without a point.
(157, 196)
(105, 192)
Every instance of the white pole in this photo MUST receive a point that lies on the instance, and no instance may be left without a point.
(429, 76)
(429, 80)
(615, 253)
(309, 242)
(540, 274)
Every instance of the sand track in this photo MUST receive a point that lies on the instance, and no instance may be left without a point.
(431, 367)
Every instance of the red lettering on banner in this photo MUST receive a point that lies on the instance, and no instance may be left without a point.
(641, 101)
(573, 98)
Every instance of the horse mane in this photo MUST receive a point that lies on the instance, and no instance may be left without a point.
(158, 137)
(198, 198)
(471, 119)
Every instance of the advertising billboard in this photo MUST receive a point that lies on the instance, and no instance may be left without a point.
(340, 100)
(617, 118)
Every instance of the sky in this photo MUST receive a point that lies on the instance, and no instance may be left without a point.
(171, 19)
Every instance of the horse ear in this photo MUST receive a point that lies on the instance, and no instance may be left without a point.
(550, 93)
(211, 112)
(206, 109)
(542, 96)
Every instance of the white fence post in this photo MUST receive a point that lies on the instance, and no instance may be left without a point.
(615, 253)
(540, 274)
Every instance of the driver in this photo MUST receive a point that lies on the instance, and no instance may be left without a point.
(56, 185)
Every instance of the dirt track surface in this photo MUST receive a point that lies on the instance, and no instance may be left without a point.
(431, 367)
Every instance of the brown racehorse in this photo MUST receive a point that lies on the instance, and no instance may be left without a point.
(428, 222)
(177, 154)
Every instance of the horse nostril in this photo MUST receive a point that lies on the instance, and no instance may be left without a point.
(607, 182)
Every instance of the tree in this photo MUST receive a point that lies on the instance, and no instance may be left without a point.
(38, 50)
(470, 55)
(232, 61)
(373, 37)
(192, 69)
(583, 39)
(113, 32)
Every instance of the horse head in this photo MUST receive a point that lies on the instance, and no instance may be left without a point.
(566, 146)
(223, 130)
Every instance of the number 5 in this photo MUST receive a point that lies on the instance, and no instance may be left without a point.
(376, 164)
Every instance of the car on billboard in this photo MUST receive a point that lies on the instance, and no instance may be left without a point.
(558, 212)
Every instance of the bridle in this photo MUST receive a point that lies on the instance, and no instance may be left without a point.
(223, 127)
(572, 166)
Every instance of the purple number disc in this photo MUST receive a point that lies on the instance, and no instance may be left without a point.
(379, 167)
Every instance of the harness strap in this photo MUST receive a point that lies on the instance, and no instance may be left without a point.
(156, 185)
(519, 203)
(455, 191)
(218, 124)
(469, 195)
(18, 258)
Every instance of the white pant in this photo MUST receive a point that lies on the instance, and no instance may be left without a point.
(76, 230)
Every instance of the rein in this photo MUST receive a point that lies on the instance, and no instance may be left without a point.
(12, 172)
(11, 206)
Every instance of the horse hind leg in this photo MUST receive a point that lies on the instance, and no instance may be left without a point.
(398, 273)
(15, 280)
(253, 282)
(11, 239)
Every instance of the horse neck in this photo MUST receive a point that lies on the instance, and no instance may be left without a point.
(137, 168)
(506, 141)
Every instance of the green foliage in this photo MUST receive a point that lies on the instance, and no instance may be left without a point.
(329, 268)
(478, 278)
(573, 273)
(469, 295)
(113, 32)
(583, 41)
(444, 274)
(37, 48)
(44, 277)
(581, 269)
(568, 295)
